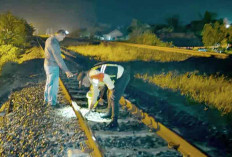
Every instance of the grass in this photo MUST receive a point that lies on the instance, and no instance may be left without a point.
(178, 50)
(214, 91)
(29, 54)
(44, 36)
(124, 53)
(132, 52)
(32, 53)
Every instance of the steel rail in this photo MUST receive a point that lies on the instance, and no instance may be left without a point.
(174, 140)
(92, 143)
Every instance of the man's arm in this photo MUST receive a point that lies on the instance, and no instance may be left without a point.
(55, 49)
(95, 94)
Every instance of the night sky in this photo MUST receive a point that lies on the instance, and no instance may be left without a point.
(72, 14)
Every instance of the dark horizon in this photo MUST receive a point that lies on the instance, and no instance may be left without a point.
(74, 14)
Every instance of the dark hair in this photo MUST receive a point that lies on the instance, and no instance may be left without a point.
(61, 31)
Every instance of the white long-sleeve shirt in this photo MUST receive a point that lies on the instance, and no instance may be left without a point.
(98, 78)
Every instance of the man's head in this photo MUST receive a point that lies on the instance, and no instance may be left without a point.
(83, 79)
(61, 34)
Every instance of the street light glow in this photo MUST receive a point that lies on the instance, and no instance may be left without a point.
(66, 32)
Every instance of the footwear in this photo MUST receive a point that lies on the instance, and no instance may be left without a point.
(106, 115)
(45, 104)
(56, 106)
(112, 125)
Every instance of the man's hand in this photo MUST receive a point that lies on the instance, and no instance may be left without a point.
(69, 74)
(91, 106)
(101, 101)
(111, 94)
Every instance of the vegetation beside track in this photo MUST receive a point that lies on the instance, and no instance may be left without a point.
(212, 90)
(14, 54)
(119, 52)
(131, 52)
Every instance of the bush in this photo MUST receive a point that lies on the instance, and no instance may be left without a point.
(14, 30)
(9, 53)
(148, 38)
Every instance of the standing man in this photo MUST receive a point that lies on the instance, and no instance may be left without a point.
(52, 62)
(116, 78)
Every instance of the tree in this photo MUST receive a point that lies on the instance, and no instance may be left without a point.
(148, 38)
(174, 22)
(209, 17)
(14, 30)
(229, 35)
(213, 34)
(141, 33)
(208, 35)
(137, 28)
(198, 25)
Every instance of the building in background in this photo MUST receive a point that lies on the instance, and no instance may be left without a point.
(113, 35)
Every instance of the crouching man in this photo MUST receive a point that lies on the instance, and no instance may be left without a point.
(116, 78)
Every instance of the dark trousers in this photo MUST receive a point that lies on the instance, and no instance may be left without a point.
(113, 99)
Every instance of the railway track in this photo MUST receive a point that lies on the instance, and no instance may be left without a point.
(138, 133)
(132, 138)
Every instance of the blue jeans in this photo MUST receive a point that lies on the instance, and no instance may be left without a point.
(52, 84)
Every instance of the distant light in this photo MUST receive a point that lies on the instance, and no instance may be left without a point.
(227, 26)
(66, 32)
(109, 37)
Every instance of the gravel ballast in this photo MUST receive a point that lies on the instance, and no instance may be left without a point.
(36, 130)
